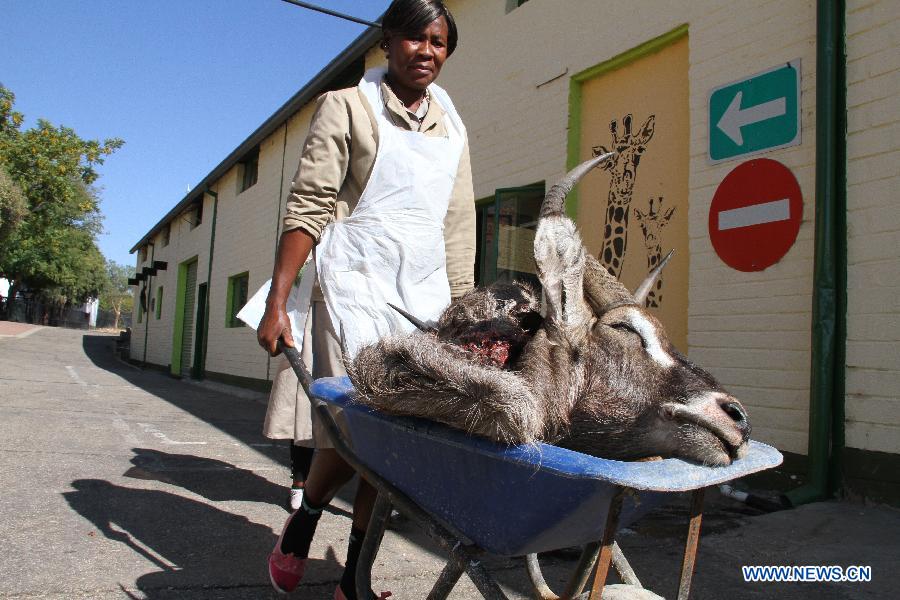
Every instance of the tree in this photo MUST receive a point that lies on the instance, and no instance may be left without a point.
(52, 249)
(12, 206)
(117, 295)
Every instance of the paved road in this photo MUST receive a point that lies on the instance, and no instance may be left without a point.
(121, 483)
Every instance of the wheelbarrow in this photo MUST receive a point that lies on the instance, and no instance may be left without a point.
(475, 497)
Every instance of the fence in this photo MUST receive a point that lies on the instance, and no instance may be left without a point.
(33, 311)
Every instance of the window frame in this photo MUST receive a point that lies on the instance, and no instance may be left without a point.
(512, 5)
(249, 171)
(233, 303)
(488, 252)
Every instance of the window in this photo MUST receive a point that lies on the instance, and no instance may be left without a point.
(142, 300)
(236, 299)
(159, 297)
(249, 170)
(512, 5)
(505, 248)
(166, 232)
(196, 215)
(143, 253)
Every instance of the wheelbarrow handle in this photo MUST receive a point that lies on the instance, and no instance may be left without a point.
(297, 364)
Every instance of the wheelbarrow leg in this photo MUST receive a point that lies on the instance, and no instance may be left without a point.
(381, 512)
(481, 578)
(579, 577)
(606, 545)
(465, 559)
(623, 568)
(691, 545)
(453, 570)
(581, 574)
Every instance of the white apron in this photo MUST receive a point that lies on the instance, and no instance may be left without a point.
(391, 248)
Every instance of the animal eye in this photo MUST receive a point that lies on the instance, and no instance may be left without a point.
(621, 326)
(624, 327)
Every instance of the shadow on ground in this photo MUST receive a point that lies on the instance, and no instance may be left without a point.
(199, 539)
(191, 543)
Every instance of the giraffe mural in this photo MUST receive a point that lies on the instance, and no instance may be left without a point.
(651, 224)
(623, 168)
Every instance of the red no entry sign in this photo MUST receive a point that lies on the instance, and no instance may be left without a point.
(755, 215)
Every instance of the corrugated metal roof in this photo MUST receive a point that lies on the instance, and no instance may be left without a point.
(343, 61)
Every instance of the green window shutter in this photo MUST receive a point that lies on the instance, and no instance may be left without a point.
(236, 298)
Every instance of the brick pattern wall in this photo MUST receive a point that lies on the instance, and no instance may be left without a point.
(873, 223)
(184, 244)
(510, 81)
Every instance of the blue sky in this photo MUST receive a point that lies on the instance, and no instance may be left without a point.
(182, 82)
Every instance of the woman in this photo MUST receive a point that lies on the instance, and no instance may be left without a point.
(384, 193)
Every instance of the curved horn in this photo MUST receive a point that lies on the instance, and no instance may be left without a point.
(640, 294)
(553, 201)
(420, 325)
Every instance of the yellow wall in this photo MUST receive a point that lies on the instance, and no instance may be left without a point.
(511, 79)
(648, 177)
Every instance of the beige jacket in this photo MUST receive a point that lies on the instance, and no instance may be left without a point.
(337, 160)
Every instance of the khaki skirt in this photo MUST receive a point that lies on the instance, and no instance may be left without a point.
(290, 414)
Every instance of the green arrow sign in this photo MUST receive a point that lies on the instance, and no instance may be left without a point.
(756, 114)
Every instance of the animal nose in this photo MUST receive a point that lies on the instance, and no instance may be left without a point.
(736, 412)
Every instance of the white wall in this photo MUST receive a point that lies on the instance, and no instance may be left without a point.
(873, 223)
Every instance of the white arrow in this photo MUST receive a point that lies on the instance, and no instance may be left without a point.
(735, 117)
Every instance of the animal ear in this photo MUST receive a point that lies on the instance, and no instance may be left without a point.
(559, 253)
(669, 213)
(602, 291)
(640, 294)
(639, 214)
(647, 129)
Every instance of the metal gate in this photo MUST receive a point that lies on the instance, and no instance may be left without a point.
(190, 296)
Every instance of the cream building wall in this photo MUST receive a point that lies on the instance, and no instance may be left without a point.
(510, 80)
(249, 224)
(873, 223)
(185, 243)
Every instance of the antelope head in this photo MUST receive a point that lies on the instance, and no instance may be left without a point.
(632, 394)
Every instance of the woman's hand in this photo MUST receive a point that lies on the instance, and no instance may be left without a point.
(274, 325)
(294, 247)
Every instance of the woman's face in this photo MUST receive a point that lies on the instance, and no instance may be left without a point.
(414, 61)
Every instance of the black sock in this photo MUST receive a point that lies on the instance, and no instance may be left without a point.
(301, 458)
(301, 529)
(348, 581)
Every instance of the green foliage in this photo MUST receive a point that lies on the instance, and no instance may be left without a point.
(117, 294)
(52, 249)
(13, 207)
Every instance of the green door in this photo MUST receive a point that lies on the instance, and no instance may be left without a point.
(190, 297)
(200, 337)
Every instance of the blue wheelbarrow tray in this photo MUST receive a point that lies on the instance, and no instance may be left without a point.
(516, 500)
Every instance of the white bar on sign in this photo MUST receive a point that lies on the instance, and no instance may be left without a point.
(756, 214)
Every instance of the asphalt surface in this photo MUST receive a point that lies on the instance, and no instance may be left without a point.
(123, 483)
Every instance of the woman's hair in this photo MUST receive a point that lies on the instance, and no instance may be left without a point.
(409, 17)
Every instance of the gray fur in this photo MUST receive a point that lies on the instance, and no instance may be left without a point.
(595, 374)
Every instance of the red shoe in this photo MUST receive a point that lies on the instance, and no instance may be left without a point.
(339, 594)
(285, 570)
